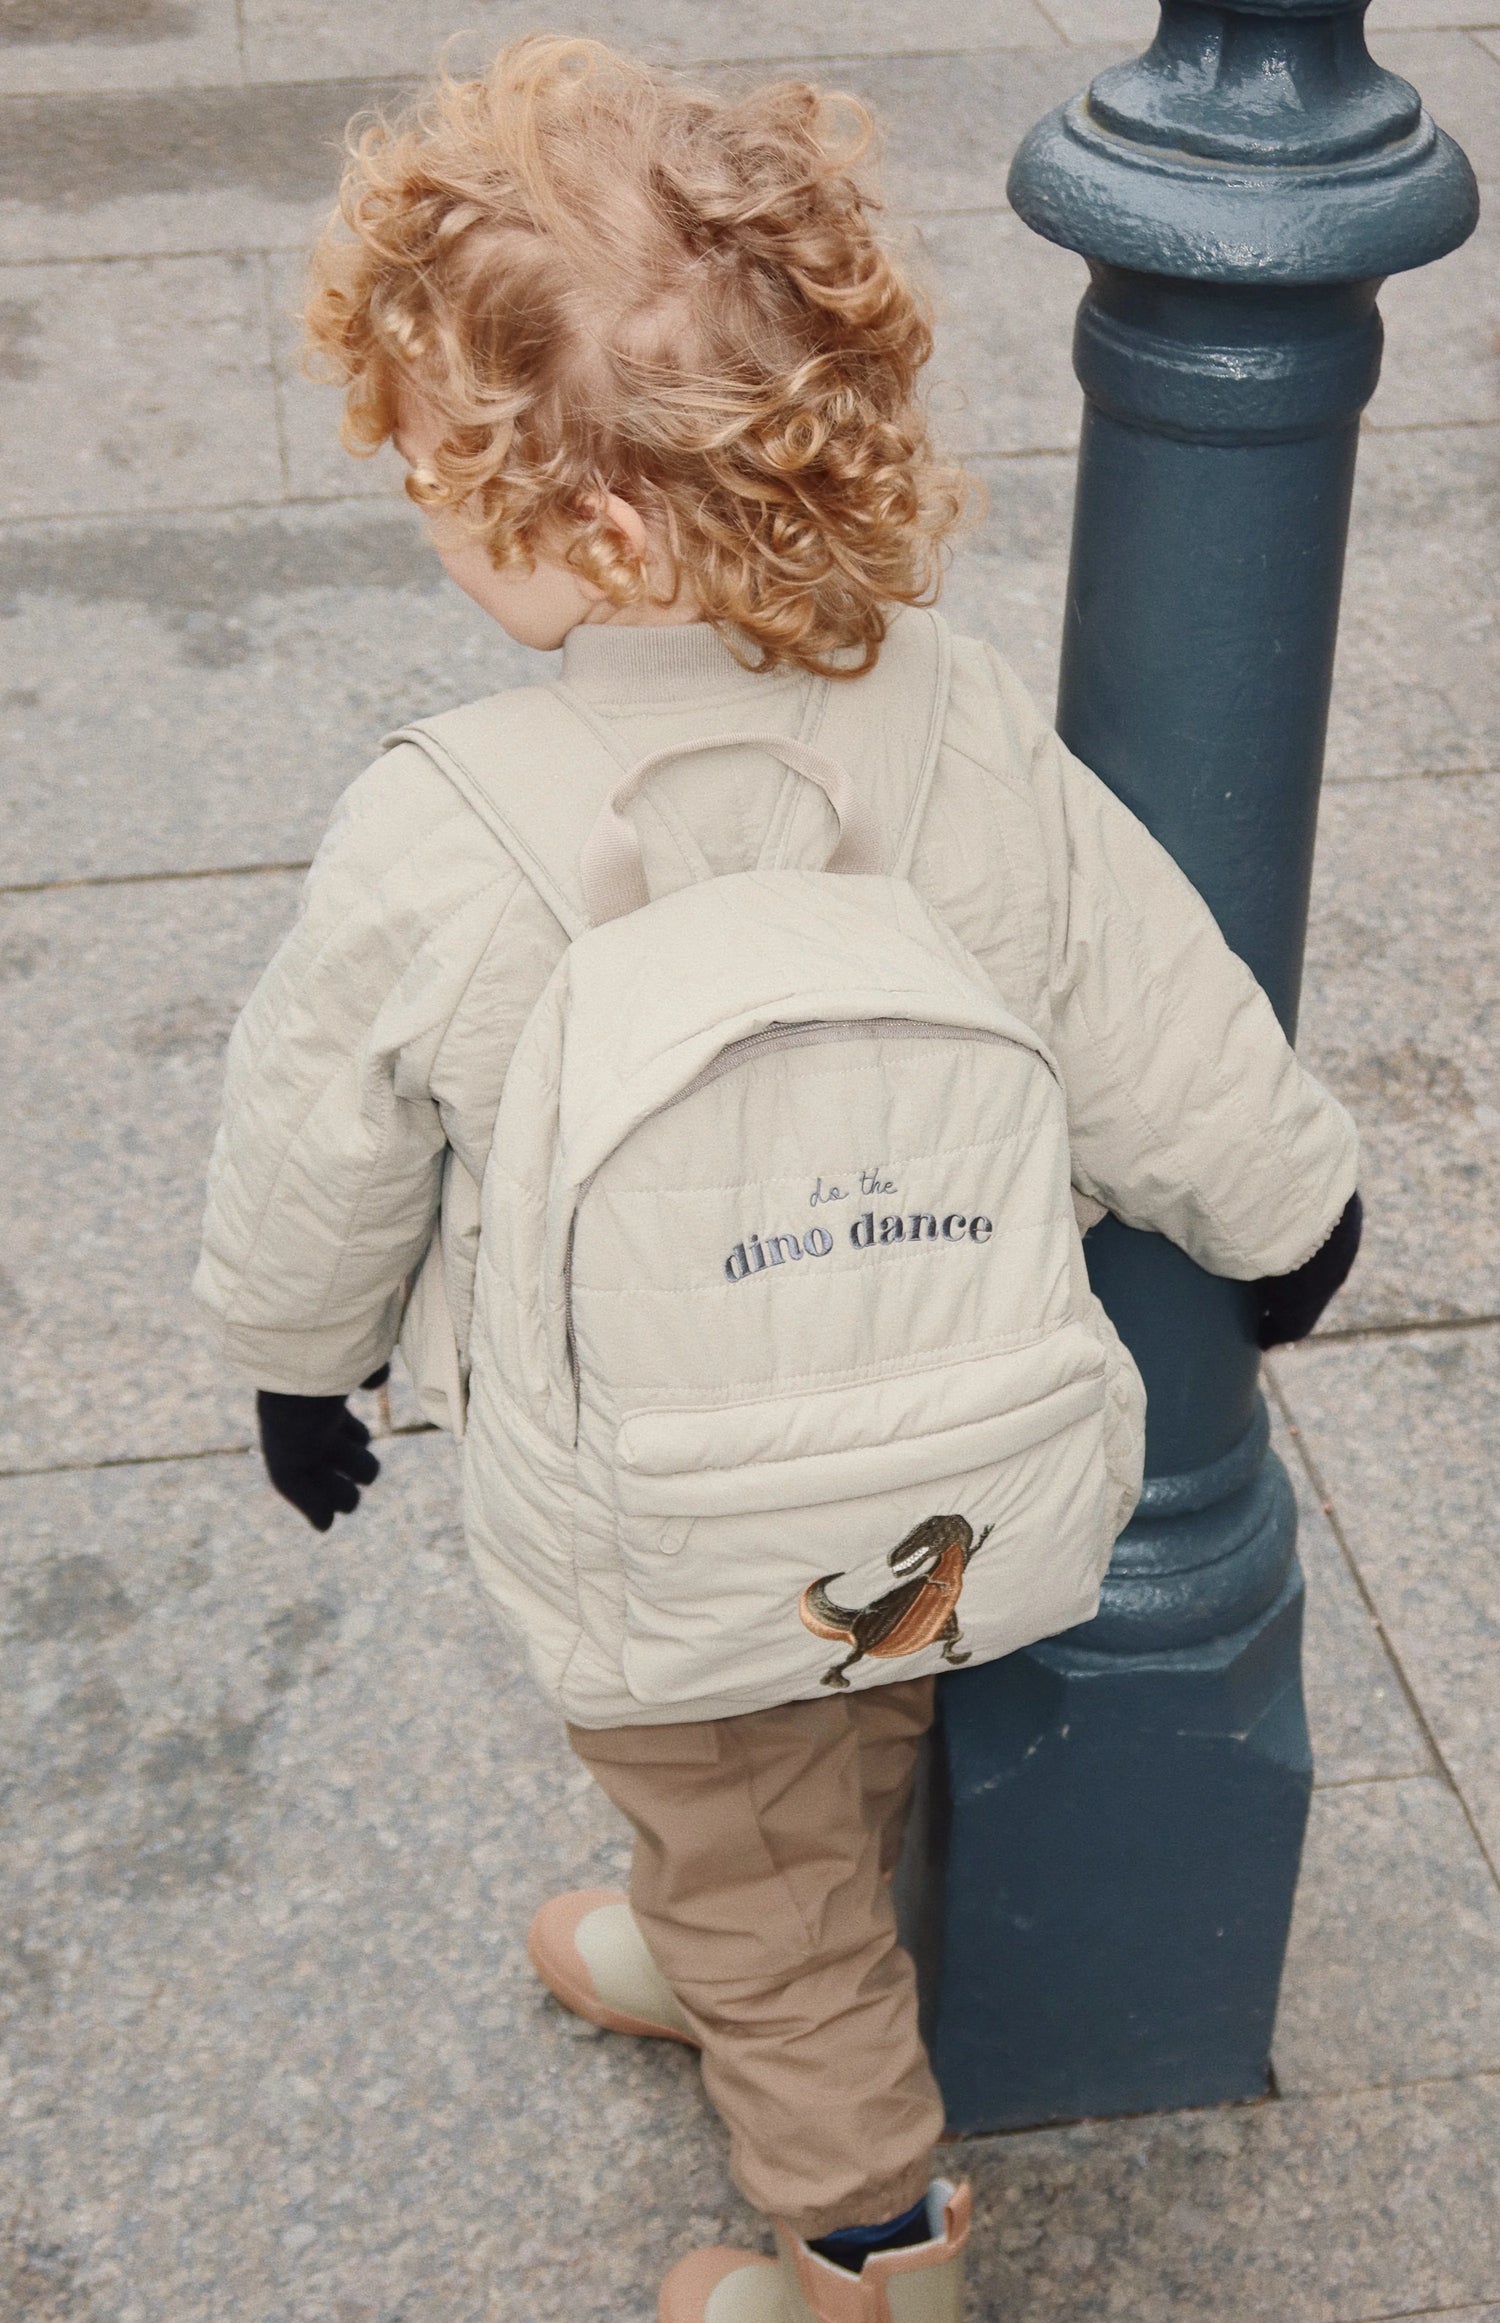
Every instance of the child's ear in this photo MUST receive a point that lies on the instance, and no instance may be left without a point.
(625, 519)
(655, 571)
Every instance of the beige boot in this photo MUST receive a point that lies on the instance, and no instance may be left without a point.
(921, 2285)
(588, 1951)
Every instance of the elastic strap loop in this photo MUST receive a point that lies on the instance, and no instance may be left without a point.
(611, 866)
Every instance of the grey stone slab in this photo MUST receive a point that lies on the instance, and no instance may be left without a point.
(1002, 374)
(227, 676)
(1452, 71)
(1009, 571)
(1327, 2210)
(1419, 642)
(114, 1010)
(1442, 355)
(1488, 41)
(146, 384)
(316, 39)
(1403, 986)
(1393, 1968)
(1406, 1435)
(117, 44)
(317, 465)
(185, 693)
(133, 173)
(1081, 21)
(1419, 15)
(1362, 1725)
(282, 1809)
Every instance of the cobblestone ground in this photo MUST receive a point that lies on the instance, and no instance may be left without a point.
(281, 1806)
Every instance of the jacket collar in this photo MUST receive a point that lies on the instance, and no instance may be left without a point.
(613, 662)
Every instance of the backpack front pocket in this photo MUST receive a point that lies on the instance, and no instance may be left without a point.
(852, 1535)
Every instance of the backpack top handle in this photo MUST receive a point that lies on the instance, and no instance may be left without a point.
(611, 867)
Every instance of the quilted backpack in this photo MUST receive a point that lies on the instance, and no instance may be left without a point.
(786, 1377)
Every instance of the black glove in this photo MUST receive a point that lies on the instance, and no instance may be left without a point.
(1288, 1305)
(316, 1452)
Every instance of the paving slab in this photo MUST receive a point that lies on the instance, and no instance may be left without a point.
(284, 1807)
(1419, 15)
(139, 385)
(317, 465)
(1329, 2210)
(117, 44)
(115, 1006)
(1403, 978)
(288, 40)
(185, 693)
(1442, 324)
(114, 1010)
(135, 173)
(233, 672)
(1471, 2314)
(1363, 1728)
(1009, 572)
(1414, 686)
(1002, 374)
(1080, 21)
(228, 675)
(1452, 71)
(1393, 1968)
(1405, 1433)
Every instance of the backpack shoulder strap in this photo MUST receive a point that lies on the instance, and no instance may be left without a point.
(888, 733)
(537, 772)
(536, 775)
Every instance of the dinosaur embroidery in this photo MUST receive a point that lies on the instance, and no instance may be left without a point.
(921, 1610)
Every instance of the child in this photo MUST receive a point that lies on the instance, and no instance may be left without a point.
(654, 379)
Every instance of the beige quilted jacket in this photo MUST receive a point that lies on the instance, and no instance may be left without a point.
(366, 1069)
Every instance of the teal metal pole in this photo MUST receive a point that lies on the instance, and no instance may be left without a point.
(1116, 1816)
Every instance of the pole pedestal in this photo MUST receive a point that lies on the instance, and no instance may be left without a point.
(1115, 1817)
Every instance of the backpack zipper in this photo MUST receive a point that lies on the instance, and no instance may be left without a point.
(786, 1036)
(816, 1029)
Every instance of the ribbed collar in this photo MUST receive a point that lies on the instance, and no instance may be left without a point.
(612, 662)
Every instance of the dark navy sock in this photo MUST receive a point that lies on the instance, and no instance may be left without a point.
(852, 2245)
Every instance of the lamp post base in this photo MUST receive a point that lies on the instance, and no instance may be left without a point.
(1114, 1842)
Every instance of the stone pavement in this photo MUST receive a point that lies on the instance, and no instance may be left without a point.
(281, 1806)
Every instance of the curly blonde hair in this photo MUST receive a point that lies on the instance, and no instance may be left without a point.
(600, 280)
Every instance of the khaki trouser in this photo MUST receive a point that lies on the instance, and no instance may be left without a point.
(763, 1851)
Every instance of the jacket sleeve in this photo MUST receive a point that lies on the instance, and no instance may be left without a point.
(325, 1178)
(1189, 1113)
